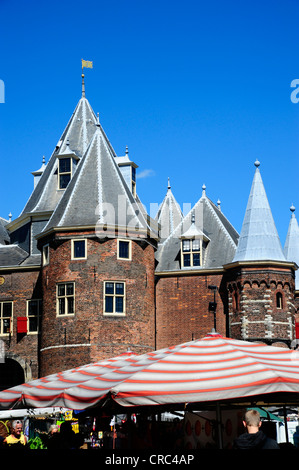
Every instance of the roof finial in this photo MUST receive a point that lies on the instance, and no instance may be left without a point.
(127, 150)
(219, 204)
(203, 189)
(83, 86)
(257, 163)
(98, 119)
(85, 64)
(292, 209)
(168, 185)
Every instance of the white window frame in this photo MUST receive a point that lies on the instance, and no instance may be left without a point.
(46, 254)
(39, 314)
(74, 240)
(114, 295)
(2, 318)
(65, 296)
(130, 249)
(191, 252)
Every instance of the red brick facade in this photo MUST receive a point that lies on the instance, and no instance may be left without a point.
(89, 335)
(19, 286)
(261, 302)
(182, 302)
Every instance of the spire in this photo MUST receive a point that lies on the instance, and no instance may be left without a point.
(83, 86)
(291, 247)
(169, 214)
(259, 239)
(97, 194)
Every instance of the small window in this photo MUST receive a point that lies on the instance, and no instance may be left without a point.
(124, 249)
(5, 318)
(34, 310)
(46, 255)
(279, 303)
(64, 172)
(79, 249)
(66, 298)
(114, 298)
(191, 252)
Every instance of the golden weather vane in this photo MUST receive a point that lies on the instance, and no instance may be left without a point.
(88, 64)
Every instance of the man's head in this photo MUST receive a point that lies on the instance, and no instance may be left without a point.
(252, 421)
(17, 428)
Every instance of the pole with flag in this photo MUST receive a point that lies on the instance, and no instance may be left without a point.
(85, 64)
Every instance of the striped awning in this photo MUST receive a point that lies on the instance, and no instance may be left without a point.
(205, 370)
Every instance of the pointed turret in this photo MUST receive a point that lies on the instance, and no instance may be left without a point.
(97, 195)
(259, 239)
(291, 247)
(169, 214)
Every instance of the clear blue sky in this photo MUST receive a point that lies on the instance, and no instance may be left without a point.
(197, 90)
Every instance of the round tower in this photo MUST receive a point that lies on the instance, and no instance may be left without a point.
(260, 280)
(98, 266)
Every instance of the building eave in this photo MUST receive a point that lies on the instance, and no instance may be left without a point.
(283, 264)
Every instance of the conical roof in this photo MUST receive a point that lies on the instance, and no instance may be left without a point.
(259, 239)
(169, 214)
(97, 194)
(77, 136)
(291, 247)
(205, 221)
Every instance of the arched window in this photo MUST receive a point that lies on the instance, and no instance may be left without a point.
(279, 303)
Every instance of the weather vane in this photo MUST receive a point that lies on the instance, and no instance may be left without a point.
(88, 64)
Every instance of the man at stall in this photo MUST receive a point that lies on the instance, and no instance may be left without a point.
(16, 437)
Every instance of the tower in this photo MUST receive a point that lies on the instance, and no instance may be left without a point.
(260, 280)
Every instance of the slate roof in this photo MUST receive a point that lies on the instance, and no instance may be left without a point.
(77, 134)
(259, 239)
(4, 236)
(169, 214)
(212, 225)
(97, 193)
(12, 255)
(291, 247)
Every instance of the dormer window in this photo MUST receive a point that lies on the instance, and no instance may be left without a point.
(67, 162)
(64, 172)
(191, 252)
(193, 242)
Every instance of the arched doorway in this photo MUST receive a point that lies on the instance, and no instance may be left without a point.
(11, 374)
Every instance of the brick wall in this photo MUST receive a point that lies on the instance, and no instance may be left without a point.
(88, 335)
(182, 308)
(255, 308)
(20, 286)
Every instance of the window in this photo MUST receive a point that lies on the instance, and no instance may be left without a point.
(134, 181)
(191, 252)
(78, 249)
(5, 318)
(114, 298)
(124, 249)
(34, 310)
(66, 298)
(279, 300)
(64, 172)
(46, 254)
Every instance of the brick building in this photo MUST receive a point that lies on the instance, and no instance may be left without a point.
(86, 274)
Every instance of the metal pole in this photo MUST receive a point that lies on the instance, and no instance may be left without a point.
(219, 425)
(285, 423)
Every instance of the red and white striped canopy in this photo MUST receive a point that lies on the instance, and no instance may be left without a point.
(209, 369)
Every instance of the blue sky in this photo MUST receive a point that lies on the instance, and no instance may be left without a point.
(197, 90)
